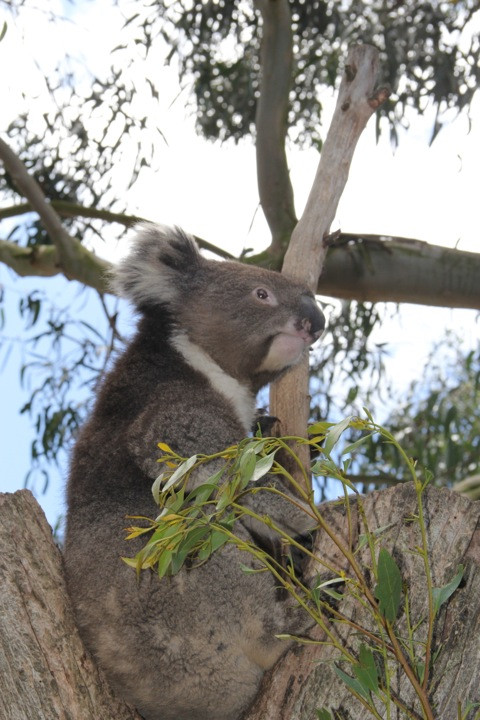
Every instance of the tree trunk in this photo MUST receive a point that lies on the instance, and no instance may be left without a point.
(46, 674)
(304, 679)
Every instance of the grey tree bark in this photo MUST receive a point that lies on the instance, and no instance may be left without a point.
(358, 98)
(304, 679)
(46, 673)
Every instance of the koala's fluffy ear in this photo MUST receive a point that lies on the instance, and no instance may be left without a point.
(155, 270)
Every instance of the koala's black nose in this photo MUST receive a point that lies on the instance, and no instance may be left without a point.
(314, 316)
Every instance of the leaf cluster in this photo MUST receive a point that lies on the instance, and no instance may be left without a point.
(199, 516)
(426, 56)
(438, 421)
(62, 360)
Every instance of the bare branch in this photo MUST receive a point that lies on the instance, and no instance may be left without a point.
(376, 268)
(42, 261)
(64, 208)
(274, 185)
(289, 398)
(71, 258)
(29, 188)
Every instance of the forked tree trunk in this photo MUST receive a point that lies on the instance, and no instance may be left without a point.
(46, 673)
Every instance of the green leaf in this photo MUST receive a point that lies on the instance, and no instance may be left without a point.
(366, 670)
(325, 467)
(388, 590)
(247, 467)
(192, 538)
(224, 498)
(164, 562)
(352, 683)
(323, 714)
(319, 428)
(353, 446)
(180, 472)
(263, 466)
(334, 433)
(217, 539)
(202, 492)
(157, 484)
(442, 594)
(3, 31)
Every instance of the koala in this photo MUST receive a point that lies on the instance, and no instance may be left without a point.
(210, 334)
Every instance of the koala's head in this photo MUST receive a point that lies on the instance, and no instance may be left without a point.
(253, 323)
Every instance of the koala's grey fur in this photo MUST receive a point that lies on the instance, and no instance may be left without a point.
(194, 646)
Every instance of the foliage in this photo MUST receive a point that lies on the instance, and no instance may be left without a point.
(438, 423)
(196, 521)
(217, 44)
(63, 359)
(347, 361)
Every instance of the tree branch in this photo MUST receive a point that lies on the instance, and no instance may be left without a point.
(357, 100)
(29, 188)
(367, 268)
(74, 260)
(274, 185)
(65, 208)
(378, 268)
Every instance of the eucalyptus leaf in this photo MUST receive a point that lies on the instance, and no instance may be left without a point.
(388, 590)
(180, 472)
(352, 683)
(442, 594)
(365, 670)
(163, 563)
(247, 467)
(355, 445)
(157, 485)
(263, 466)
(319, 428)
(334, 433)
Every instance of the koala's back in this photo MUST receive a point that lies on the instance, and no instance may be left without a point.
(194, 646)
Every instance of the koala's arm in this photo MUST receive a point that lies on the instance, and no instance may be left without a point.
(198, 431)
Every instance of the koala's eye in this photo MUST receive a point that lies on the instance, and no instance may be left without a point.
(261, 294)
(265, 296)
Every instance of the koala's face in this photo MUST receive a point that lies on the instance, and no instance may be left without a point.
(254, 323)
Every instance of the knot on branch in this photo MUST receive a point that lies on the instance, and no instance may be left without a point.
(350, 71)
(379, 96)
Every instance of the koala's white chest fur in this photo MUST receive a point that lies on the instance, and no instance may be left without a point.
(240, 397)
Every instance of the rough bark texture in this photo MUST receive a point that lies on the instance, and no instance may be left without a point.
(45, 672)
(305, 680)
